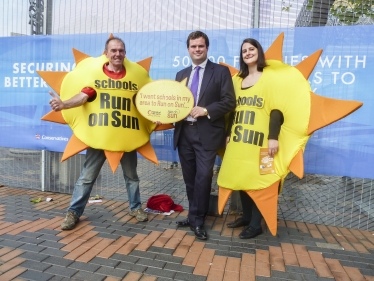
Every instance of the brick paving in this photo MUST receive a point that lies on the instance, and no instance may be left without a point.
(110, 245)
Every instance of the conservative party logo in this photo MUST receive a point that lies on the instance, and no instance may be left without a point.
(50, 138)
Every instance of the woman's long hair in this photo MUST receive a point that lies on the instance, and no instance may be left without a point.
(261, 64)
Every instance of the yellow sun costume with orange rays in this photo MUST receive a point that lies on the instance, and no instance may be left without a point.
(287, 89)
(111, 122)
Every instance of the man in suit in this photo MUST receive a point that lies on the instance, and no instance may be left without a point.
(202, 133)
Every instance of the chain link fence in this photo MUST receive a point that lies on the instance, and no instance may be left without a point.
(330, 200)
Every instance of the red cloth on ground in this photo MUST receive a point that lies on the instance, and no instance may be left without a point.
(164, 203)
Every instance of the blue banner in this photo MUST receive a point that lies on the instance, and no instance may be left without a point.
(344, 71)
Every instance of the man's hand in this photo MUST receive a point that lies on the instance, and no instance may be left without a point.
(273, 147)
(197, 111)
(55, 102)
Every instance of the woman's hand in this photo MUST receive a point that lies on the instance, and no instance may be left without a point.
(273, 147)
(227, 140)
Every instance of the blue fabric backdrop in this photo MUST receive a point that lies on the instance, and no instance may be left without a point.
(345, 71)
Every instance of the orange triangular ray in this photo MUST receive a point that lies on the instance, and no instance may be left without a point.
(297, 165)
(54, 116)
(266, 201)
(324, 111)
(148, 152)
(223, 196)
(163, 127)
(73, 147)
(53, 79)
(275, 50)
(79, 56)
(113, 159)
(110, 36)
(306, 66)
(232, 69)
(146, 63)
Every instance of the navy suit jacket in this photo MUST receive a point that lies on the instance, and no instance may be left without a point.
(218, 97)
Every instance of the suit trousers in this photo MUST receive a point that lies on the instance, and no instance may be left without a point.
(197, 168)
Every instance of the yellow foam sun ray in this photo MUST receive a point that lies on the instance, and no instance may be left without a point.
(73, 147)
(297, 164)
(148, 152)
(306, 66)
(275, 50)
(53, 79)
(113, 159)
(223, 196)
(54, 116)
(79, 56)
(146, 63)
(266, 201)
(325, 111)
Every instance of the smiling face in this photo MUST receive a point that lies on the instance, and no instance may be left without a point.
(116, 54)
(198, 50)
(249, 54)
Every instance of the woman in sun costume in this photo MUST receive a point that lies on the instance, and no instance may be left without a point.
(286, 89)
(249, 94)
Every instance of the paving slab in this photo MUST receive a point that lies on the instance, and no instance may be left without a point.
(38, 255)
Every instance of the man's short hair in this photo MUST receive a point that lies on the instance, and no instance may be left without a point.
(195, 35)
(114, 38)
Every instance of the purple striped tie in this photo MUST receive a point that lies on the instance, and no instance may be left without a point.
(195, 83)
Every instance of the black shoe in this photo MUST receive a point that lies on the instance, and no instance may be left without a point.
(237, 223)
(184, 222)
(200, 232)
(174, 165)
(250, 232)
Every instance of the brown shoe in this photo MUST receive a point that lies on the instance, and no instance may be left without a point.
(70, 221)
(139, 214)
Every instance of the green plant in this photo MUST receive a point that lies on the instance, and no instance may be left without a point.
(349, 11)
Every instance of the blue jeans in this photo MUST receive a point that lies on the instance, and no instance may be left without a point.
(94, 161)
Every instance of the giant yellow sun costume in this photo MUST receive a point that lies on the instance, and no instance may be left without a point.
(287, 89)
(111, 122)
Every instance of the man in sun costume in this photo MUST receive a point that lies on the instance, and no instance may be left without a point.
(285, 88)
(104, 120)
